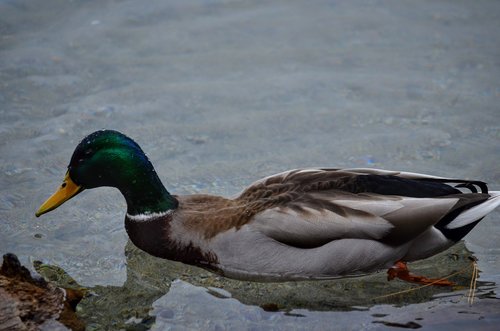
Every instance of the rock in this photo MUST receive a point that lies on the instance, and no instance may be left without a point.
(31, 303)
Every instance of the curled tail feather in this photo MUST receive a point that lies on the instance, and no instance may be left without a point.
(469, 216)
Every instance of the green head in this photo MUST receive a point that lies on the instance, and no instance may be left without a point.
(109, 158)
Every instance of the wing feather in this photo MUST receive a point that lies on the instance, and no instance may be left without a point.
(311, 207)
(394, 220)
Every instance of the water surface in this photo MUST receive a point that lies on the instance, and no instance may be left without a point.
(221, 93)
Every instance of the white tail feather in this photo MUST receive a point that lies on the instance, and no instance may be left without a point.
(477, 212)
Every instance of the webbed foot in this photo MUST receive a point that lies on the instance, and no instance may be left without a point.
(400, 270)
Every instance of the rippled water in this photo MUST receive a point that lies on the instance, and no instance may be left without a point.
(221, 93)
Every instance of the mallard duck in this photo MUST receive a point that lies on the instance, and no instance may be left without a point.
(301, 224)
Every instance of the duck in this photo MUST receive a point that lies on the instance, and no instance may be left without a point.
(301, 224)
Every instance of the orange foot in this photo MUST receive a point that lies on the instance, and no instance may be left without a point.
(400, 270)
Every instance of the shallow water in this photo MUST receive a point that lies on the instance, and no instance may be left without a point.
(221, 93)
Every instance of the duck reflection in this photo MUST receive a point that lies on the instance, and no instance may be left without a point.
(149, 278)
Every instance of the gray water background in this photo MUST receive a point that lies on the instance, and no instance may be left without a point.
(221, 93)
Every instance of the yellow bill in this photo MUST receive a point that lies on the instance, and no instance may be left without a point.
(66, 191)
